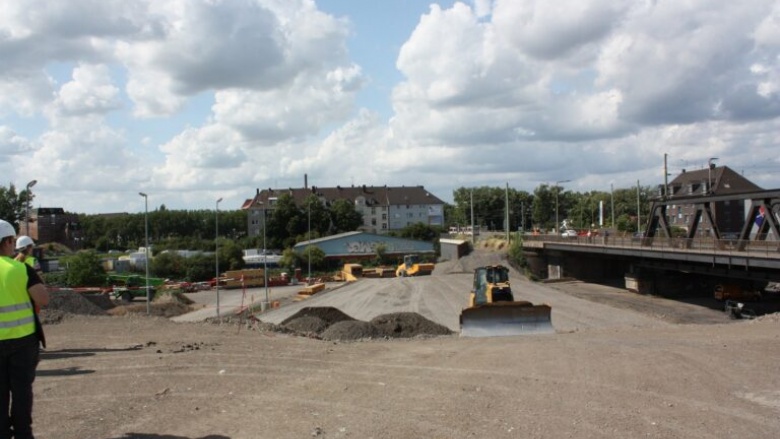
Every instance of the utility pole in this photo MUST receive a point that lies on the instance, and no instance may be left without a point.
(612, 200)
(638, 209)
(471, 202)
(522, 216)
(666, 178)
(507, 211)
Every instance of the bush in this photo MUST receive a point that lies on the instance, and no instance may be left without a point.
(84, 270)
(515, 252)
(169, 265)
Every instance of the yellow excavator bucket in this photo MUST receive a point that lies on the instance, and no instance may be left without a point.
(506, 318)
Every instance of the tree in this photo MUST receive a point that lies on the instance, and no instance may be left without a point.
(231, 256)
(169, 265)
(285, 223)
(200, 268)
(344, 216)
(84, 270)
(289, 259)
(13, 205)
(420, 232)
(313, 255)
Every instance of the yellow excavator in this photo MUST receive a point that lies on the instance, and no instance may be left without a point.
(493, 310)
(413, 267)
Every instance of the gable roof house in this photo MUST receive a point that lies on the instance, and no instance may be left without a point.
(729, 215)
(383, 208)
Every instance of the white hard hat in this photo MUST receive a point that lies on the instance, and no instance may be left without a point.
(23, 241)
(6, 229)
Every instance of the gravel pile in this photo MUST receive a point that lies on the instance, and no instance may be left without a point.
(64, 302)
(329, 323)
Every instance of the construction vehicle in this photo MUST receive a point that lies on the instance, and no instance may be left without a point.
(493, 310)
(412, 266)
(735, 292)
(128, 287)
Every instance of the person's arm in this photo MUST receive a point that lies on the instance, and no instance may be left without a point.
(39, 294)
(36, 288)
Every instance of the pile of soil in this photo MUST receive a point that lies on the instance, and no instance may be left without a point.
(407, 325)
(165, 305)
(329, 323)
(65, 302)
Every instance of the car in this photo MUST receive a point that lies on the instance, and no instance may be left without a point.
(570, 233)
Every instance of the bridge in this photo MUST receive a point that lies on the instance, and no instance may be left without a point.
(666, 259)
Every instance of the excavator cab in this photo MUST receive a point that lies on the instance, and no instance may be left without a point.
(493, 310)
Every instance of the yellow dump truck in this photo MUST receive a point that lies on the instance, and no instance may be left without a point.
(412, 266)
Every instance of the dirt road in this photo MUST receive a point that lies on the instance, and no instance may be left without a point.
(608, 372)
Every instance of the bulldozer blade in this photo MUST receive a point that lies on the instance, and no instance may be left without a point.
(506, 318)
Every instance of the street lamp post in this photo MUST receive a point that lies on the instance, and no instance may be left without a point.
(308, 245)
(557, 224)
(265, 262)
(27, 209)
(638, 210)
(709, 174)
(216, 252)
(146, 250)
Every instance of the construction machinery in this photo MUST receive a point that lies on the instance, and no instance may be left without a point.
(493, 310)
(736, 292)
(412, 266)
(128, 287)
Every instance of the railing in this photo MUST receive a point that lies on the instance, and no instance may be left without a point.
(769, 249)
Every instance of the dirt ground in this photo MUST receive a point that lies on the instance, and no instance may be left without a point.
(619, 365)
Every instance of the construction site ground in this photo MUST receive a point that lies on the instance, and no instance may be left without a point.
(619, 365)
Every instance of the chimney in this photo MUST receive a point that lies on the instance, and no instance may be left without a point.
(305, 181)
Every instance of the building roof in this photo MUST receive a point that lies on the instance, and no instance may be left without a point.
(373, 195)
(724, 181)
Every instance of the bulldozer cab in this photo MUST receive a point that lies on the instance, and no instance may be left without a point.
(491, 284)
(410, 260)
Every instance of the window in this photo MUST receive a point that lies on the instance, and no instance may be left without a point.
(373, 221)
(384, 226)
(384, 216)
(373, 211)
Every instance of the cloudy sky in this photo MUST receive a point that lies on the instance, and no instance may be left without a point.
(195, 100)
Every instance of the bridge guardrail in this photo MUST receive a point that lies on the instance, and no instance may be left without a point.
(769, 249)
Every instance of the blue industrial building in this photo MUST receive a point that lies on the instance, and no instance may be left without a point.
(362, 245)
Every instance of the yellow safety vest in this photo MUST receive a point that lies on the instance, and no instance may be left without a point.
(16, 312)
(32, 262)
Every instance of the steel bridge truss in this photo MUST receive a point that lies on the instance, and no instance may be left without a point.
(767, 202)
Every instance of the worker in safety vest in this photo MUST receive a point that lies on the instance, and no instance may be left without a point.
(24, 252)
(20, 335)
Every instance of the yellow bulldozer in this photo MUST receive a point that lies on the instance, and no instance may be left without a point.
(493, 310)
(412, 266)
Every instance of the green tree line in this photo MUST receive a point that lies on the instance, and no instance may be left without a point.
(537, 210)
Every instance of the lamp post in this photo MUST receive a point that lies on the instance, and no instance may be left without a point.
(308, 245)
(265, 262)
(557, 224)
(146, 250)
(709, 173)
(216, 251)
(638, 210)
(612, 202)
(27, 209)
